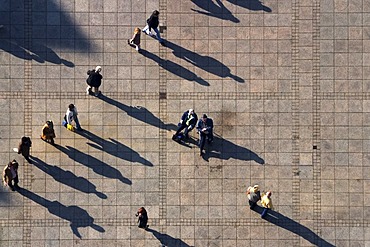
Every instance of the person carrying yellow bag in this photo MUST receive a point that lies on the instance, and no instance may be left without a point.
(71, 115)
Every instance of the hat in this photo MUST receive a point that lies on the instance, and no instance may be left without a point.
(204, 116)
(98, 68)
(256, 187)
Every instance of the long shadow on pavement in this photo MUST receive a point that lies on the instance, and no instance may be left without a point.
(113, 147)
(167, 240)
(174, 68)
(215, 10)
(254, 5)
(93, 163)
(207, 63)
(67, 178)
(77, 216)
(224, 149)
(280, 220)
(140, 113)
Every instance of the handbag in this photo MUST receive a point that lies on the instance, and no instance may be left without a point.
(70, 127)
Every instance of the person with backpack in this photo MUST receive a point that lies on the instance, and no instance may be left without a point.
(94, 81)
(48, 133)
(153, 23)
(142, 218)
(24, 147)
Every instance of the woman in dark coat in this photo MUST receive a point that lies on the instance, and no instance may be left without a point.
(153, 22)
(24, 147)
(143, 218)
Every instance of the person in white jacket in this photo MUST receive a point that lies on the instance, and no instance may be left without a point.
(71, 115)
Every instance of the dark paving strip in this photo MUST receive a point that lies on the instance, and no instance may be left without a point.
(295, 115)
(27, 118)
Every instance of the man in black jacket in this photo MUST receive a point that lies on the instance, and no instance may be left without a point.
(94, 81)
(188, 121)
(153, 22)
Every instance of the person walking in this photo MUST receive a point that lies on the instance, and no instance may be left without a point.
(266, 202)
(142, 218)
(48, 133)
(153, 23)
(71, 115)
(24, 147)
(94, 81)
(10, 174)
(188, 121)
(254, 195)
(135, 40)
(205, 129)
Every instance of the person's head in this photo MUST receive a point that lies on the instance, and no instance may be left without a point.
(204, 117)
(191, 111)
(268, 194)
(256, 188)
(137, 30)
(12, 163)
(98, 69)
(71, 107)
(24, 139)
(155, 12)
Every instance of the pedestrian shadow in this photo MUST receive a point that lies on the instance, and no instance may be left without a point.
(140, 113)
(77, 216)
(67, 178)
(280, 220)
(93, 163)
(174, 68)
(50, 27)
(113, 147)
(254, 5)
(167, 240)
(224, 149)
(41, 55)
(206, 63)
(215, 10)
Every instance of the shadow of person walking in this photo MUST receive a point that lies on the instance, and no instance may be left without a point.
(77, 216)
(140, 113)
(115, 148)
(207, 63)
(174, 68)
(167, 240)
(67, 178)
(93, 163)
(215, 10)
(280, 220)
(224, 149)
(254, 5)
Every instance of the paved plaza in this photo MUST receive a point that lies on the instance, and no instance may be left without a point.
(286, 83)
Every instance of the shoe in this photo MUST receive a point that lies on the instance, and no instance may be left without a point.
(162, 43)
(128, 41)
(11, 188)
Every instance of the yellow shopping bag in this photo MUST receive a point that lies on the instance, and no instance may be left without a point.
(70, 127)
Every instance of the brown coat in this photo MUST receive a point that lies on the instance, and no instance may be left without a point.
(7, 174)
(47, 132)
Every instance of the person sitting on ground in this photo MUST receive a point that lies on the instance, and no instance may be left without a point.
(188, 121)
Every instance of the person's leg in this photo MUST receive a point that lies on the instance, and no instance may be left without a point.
(201, 142)
(146, 29)
(210, 137)
(78, 126)
(264, 212)
(158, 35)
(88, 90)
(182, 126)
(96, 91)
(10, 185)
(16, 181)
(186, 132)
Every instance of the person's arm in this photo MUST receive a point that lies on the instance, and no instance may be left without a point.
(199, 127)
(210, 125)
(69, 117)
(20, 148)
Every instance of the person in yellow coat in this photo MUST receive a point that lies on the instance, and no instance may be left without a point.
(266, 202)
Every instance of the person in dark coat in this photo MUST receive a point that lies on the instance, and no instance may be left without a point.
(94, 81)
(24, 147)
(153, 23)
(188, 121)
(205, 129)
(135, 40)
(143, 218)
(10, 173)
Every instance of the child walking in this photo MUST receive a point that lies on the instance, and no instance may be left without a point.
(135, 40)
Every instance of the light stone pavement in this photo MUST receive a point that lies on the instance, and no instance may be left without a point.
(285, 81)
